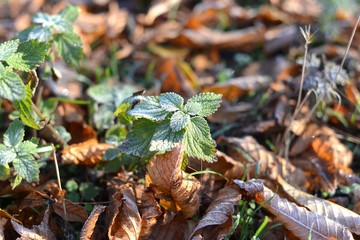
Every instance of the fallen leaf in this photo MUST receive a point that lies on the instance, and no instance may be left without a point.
(126, 221)
(217, 221)
(87, 231)
(238, 87)
(160, 7)
(89, 152)
(325, 208)
(41, 231)
(298, 220)
(165, 172)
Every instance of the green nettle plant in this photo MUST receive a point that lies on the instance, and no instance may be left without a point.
(161, 122)
(19, 154)
(18, 81)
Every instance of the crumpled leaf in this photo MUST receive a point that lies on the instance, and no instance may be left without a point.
(325, 208)
(217, 222)
(298, 220)
(89, 152)
(165, 172)
(126, 221)
(41, 231)
(88, 229)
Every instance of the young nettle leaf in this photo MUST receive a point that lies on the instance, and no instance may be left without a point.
(163, 122)
(11, 85)
(209, 102)
(165, 138)
(171, 102)
(69, 47)
(19, 153)
(149, 108)
(179, 120)
(8, 48)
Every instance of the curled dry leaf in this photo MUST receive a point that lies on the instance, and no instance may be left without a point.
(126, 221)
(325, 208)
(217, 222)
(3, 221)
(165, 172)
(88, 229)
(150, 212)
(298, 220)
(41, 231)
(89, 152)
(74, 212)
(237, 87)
(159, 8)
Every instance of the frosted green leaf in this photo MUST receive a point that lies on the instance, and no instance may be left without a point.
(149, 108)
(29, 55)
(209, 103)
(43, 34)
(8, 48)
(111, 154)
(25, 148)
(179, 120)
(197, 140)
(7, 155)
(63, 133)
(27, 168)
(70, 13)
(164, 138)
(69, 47)
(11, 85)
(27, 114)
(171, 102)
(193, 108)
(14, 134)
(138, 140)
(4, 172)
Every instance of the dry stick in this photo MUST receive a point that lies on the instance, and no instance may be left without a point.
(59, 183)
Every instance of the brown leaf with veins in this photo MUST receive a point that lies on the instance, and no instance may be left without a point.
(325, 208)
(87, 231)
(301, 222)
(41, 231)
(86, 153)
(217, 222)
(126, 221)
(164, 171)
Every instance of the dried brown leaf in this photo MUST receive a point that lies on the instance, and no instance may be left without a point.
(298, 220)
(74, 212)
(325, 208)
(86, 153)
(217, 222)
(38, 232)
(89, 226)
(165, 172)
(237, 87)
(126, 221)
(150, 212)
(3, 221)
(159, 8)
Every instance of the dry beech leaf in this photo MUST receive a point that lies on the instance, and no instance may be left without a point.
(217, 222)
(298, 220)
(74, 212)
(325, 208)
(87, 230)
(126, 221)
(86, 153)
(177, 229)
(303, 141)
(41, 231)
(244, 39)
(150, 212)
(237, 87)
(165, 172)
(251, 153)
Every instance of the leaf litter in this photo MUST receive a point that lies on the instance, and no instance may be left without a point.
(252, 55)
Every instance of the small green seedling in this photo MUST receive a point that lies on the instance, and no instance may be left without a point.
(19, 153)
(161, 122)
